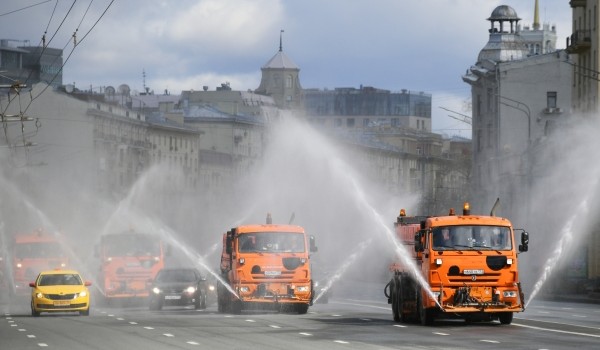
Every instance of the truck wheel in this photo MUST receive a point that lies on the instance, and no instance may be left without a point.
(302, 309)
(395, 300)
(426, 315)
(236, 307)
(505, 317)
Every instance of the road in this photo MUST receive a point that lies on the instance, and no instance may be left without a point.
(343, 323)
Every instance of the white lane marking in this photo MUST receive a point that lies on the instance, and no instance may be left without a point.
(11, 321)
(274, 326)
(148, 328)
(557, 330)
(22, 330)
(131, 322)
(336, 315)
(42, 344)
(364, 305)
(250, 321)
(120, 319)
(340, 342)
(543, 312)
(559, 323)
(111, 315)
(9, 318)
(566, 308)
(228, 316)
(400, 326)
(193, 343)
(365, 319)
(490, 341)
(306, 334)
(168, 335)
(30, 336)
(14, 325)
(580, 316)
(440, 333)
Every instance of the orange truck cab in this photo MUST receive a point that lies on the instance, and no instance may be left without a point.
(128, 261)
(266, 266)
(465, 266)
(32, 253)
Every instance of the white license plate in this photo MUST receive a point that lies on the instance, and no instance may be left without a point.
(473, 272)
(62, 303)
(272, 273)
(172, 297)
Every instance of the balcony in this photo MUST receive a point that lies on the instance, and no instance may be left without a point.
(577, 3)
(579, 42)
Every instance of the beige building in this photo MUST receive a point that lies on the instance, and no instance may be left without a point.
(584, 44)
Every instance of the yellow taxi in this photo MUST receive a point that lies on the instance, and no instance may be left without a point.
(60, 291)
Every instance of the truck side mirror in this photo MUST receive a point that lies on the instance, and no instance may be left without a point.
(418, 243)
(524, 242)
(228, 244)
(313, 245)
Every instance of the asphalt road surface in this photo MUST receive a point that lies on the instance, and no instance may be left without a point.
(343, 323)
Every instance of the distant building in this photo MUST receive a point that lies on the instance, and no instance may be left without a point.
(20, 62)
(281, 80)
(368, 107)
(538, 38)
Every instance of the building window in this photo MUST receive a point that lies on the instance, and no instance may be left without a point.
(395, 122)
(551, 99)
(337, 122)
(366, 122)
(350, 122)
(288, 81)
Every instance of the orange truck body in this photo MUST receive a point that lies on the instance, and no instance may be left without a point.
(468, 263)
(33, 252)
(128, 261)
(267, 266)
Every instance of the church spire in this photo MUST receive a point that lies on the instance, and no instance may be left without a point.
(281, 40)
(536, 16)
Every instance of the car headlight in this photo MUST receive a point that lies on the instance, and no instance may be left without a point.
(83, 294)
(302, 288)
(211, 287)
(39, 295)
(156, 290)
(190, 290)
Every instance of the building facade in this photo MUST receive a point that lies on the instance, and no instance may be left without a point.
(20, 62)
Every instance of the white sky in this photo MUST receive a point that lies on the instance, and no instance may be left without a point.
(419, 45)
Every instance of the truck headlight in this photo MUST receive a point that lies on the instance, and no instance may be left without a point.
(302, 289)
(244, 289)
(509, 294)
(156, 290)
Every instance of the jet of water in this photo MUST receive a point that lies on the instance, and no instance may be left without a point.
(348, 261)
(566, 239)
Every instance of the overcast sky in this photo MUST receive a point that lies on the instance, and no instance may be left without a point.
(419, 45)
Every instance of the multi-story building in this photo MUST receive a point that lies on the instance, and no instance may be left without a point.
(359, 109)
(584, 45)
(509, 115)
(25, 64)
(539, 38)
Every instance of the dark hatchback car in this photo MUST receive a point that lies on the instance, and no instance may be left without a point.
(178, 286)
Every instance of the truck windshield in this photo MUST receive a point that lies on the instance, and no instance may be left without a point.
(131, 245)
(38, 250)
(271, 242)
(472, 238)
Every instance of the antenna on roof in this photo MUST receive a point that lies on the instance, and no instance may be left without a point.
(281, 41)
(144, 79)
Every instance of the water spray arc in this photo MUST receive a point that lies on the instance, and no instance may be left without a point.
(563, 244)
(351, 259)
